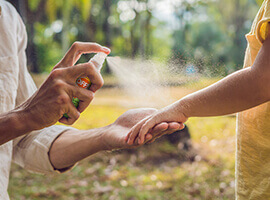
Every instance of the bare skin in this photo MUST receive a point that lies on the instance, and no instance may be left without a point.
(73, 146)
(237, 92)
(53, 98)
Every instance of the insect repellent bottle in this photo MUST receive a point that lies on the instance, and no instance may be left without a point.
(85, 82)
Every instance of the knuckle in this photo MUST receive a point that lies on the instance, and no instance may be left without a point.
(154, 119)
(89, 67)
(144, 127)
(98, 84)
(75, 45)
(90, 96)
(62, 99)
(77, 116)
(131, 136)
(74, 118)
(101, 82)
(70, 122)
(95, 44)
(55, 73)
(59, 85)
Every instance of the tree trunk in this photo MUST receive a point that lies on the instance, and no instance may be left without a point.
(31, 49)
(148, 46)
(135, 41)
(30, 18)
(65, 19)
(106, 28)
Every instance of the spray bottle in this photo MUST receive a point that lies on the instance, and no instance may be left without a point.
(85, 82)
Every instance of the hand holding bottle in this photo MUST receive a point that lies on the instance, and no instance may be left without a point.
(84, 82)
(54, 97)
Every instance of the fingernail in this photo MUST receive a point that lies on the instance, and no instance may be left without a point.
(106, 49)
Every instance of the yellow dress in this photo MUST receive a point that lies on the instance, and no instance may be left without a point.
(253, 127)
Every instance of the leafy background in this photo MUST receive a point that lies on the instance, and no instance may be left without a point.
(208, 35)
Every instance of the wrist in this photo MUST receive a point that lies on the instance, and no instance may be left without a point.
(104, 140)
(95, 140)
(19, 123)
(29, 117)
(183, 107)
(100, 135)
(22, 120)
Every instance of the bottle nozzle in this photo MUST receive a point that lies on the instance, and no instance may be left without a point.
(98, 60)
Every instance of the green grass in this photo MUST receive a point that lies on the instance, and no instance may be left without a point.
(157, 171)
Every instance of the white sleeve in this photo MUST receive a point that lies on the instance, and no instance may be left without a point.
(31, 151)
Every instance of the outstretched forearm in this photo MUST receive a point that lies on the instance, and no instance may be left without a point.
(235, 93)
(75, 145)
(239, 91)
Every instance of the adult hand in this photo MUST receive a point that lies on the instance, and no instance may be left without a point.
(54, 97)
(114, 137)
(75, 145)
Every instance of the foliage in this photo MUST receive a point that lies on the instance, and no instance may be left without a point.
(207, 34)
(211, 35)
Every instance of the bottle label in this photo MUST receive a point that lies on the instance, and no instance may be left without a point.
(84, 82)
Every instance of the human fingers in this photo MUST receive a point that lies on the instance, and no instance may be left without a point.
(85, 69)
(85, 96)
(148, 137)
(149, 124)
(79, 48)
(131, 136)
(72, 112)
(172, 127)
(157, 130)
(152, 122)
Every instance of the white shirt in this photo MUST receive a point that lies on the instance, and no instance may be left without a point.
(16, 85)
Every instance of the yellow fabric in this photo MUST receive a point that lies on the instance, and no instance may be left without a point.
(253, 127)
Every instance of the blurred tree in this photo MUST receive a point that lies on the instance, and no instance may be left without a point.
(208, 34)
(232, 16)
(137, 17)
(65, 9)
(211, 34)
(32, 12)
(259, 2)
(183, 11)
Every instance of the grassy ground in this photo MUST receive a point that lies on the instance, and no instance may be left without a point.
(157, 171)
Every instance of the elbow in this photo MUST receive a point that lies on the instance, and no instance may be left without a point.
(263, 86)
(266, 88)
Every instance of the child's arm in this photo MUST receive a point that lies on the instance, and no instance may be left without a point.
(239, 91)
